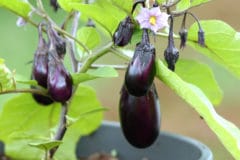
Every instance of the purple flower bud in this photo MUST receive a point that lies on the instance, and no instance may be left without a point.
(59, 80)
(141, 70)
(140, 117)
(183, 33)
(58, 42)
(124, 32)
(171, 53)
(54, 4)
(201, 37)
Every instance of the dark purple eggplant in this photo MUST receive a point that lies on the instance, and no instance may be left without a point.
(124, 32)
(171, 53)
(44, 100)
(59, 80)
(40, 68)
(140, 117)
(141, 70)
(183, 33)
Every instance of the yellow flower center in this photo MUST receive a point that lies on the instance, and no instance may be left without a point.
(152, 20)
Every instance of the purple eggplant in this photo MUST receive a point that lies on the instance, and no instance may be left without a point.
(124, 32)
(59, 80)
(141, 70)
(140, 117)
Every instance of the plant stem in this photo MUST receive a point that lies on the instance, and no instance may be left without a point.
(27, 90)
(72, 46)
(61, 129)
(92, 58)
(96, 66)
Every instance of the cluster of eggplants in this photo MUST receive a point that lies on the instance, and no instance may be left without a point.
(140, 117)
(48, 69)
(139, 105)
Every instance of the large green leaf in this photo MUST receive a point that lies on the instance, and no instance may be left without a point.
(89, 38)
(23, 116)
(65, 4)
(103, 72)
(24, 122)
(222, 44)
(19, 7)
(125, 5)
(7, 80)
(103, 12)
(202, 76)
(226, 131)
(84, 101)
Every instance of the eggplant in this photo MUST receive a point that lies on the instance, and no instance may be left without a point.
(140, 117)
(123, 34)
(59, 82)
(141, 70)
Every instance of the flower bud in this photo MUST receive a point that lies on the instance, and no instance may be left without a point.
(183, 33)
(171, 53)
(201, 37)
(59, 81)
(141, 70)
(124, 32)
(58, 41)
(140, 117)
(54, 4)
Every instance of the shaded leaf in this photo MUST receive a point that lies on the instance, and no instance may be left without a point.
(226, 131)
(202, 76)
(183, 5)
(198, 2)
(222, 44)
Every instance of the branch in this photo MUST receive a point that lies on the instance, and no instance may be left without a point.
(61, 129)
(28, 90)
(93, 57)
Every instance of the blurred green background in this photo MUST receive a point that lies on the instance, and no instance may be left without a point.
(17, 46)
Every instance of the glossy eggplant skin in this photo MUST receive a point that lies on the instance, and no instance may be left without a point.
(140, 117)
(59, 80)
(141, 70)
(124, 32)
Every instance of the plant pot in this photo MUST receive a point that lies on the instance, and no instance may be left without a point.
(168, 146)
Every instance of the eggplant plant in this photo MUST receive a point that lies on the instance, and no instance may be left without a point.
(52, 107)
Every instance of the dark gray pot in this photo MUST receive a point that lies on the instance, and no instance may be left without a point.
(168, 146)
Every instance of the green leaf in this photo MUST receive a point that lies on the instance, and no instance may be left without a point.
(103, 72)
(45, 145)
(226, 131)
(202, 76)
(183, 5)
(123, 4)
(102, 12)
(65, 4)
(89, 38)
(19, 7)
(222, 44)
(84, 101)
(7, 81)
(23, 115)
(198, 2)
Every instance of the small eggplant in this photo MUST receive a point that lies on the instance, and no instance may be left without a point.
(183, 33)
(44, 100)
(141, 70)
(171, 53)
(124, 32)
(54, 4)
(59, 80)
(40, 68)
(140, 117)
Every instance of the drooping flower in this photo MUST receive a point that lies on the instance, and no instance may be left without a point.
(152, 19)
